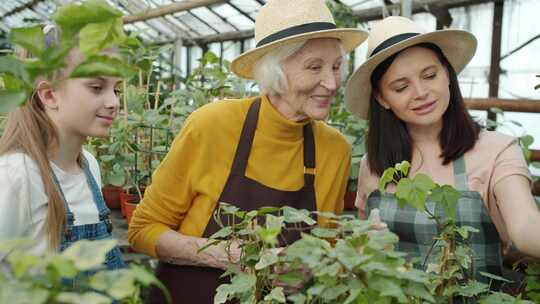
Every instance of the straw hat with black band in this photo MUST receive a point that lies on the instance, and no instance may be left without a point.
(394, 34)
(283, 21)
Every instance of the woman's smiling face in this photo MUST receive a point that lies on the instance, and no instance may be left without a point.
(313, 76)
(416, 88)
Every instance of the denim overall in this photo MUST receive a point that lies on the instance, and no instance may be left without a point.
(417, 231)
(97, 231)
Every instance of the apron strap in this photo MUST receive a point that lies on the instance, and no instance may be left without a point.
(460, 174)
(246, 139)
(309, 156)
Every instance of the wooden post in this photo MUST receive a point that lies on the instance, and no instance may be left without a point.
(169, 9)
(495, 67)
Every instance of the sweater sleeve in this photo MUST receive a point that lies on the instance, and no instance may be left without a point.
(14, 215)
(169, 197)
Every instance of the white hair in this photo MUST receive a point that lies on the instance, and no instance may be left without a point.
(268, 70)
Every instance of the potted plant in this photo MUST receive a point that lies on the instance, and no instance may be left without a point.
(349, 263)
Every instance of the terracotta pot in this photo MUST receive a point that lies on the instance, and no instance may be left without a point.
(129, 208)
(126, 198)
(350, 197)
(111, 194)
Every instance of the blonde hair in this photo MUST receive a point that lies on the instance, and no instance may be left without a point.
(29, 130)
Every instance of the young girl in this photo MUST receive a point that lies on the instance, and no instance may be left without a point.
(50, 187)
(408, 89)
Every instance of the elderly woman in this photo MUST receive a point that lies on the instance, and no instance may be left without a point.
(272, 150)
(408, 89)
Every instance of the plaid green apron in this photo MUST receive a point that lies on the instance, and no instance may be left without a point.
(416, 231)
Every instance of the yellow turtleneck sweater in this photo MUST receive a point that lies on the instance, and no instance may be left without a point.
(187, 184)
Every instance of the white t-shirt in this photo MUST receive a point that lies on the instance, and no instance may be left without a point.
(23, 202)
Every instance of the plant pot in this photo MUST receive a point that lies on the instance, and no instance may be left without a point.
(129, 208)
(111, 194)
(129, 197)
(349, 199)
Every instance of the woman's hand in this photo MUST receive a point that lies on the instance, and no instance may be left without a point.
(376, 223)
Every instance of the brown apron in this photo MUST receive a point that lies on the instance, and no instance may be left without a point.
(197, 285)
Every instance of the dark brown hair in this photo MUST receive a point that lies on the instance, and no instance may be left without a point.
(388, 140)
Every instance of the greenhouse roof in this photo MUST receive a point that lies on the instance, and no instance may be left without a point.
(188, 19)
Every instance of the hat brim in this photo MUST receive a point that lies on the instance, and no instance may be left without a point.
(457, 46)
(244, 63)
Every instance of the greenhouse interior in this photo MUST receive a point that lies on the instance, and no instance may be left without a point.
(269, 151)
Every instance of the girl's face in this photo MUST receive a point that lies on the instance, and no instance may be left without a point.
(314, 76)
(83, 107)
(416, 88)
(87, 106)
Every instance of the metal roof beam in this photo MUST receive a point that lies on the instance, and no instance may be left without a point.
(21, 8)
(240, 11)
(222, 18)
(203, 22)
(419, 6)
(169, 9)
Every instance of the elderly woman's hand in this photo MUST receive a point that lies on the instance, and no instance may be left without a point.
(227, 254)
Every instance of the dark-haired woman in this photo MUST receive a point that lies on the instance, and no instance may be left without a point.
(408, 90)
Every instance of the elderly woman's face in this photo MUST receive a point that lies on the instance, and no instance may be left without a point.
(313, 75)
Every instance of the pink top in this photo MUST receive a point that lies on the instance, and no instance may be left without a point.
(494, 157)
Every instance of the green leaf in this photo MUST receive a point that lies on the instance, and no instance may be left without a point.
(403, 167)
(387, 287)
(418, 290)
(63, 267)
(243, 282)
(387, 177)
(87, 255)
(95, 37)
(472, 288)
(21, 263)
(533, 269)
(324, 232)
(292, 215)
(276, 295)
(87, 298)
(494, 277)
(101, 65)
(526, 140)
(20, 293)
(446, 196)
(10, 100)
(499, 298)
(117, 179)
(348, 256)
(465, 230)
(71, 18)
(414, 191)
(334, 292)
(119, 284)
(30, 38)
(15, 67)
(268, 258)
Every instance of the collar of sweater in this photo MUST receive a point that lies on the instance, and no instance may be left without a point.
(273, 123)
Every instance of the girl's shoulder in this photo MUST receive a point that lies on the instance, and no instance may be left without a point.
(12, 164)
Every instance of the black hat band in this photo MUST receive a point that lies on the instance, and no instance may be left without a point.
(391, 41)
(297, 30)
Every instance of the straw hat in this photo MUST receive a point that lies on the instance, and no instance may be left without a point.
(284, 21)
(392, 35)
